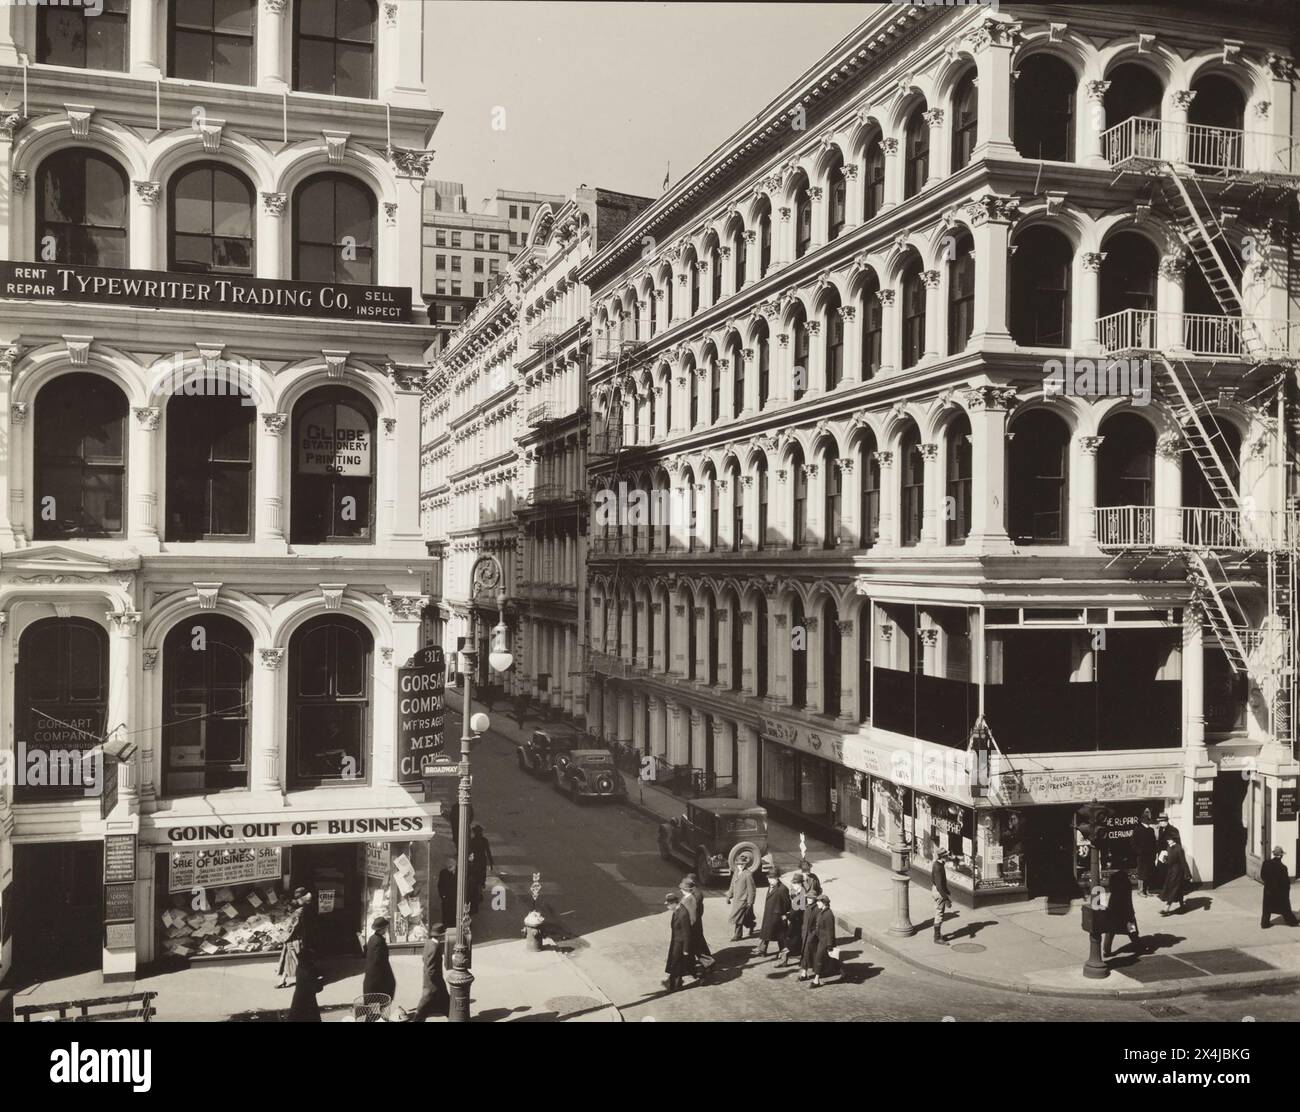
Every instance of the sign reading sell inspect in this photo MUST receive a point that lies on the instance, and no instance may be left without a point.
(229, 293)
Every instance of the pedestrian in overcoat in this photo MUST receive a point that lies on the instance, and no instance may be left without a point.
(679, 945)
(1144, 845)
(819, 938)
(434, 999)
(1277, 890)
(1177, 877)
(1119, 912)
(792, 941)
(942, 894)
(776, 906)
(379, 976)
(741, 895)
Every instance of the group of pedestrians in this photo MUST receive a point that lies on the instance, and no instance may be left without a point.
(1161, 861)
(798, 919)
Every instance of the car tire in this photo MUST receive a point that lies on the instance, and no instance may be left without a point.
(703, 873)
(743, 847)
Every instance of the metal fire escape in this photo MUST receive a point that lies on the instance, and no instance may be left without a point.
(1237, 538)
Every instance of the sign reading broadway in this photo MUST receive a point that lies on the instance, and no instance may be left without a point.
(226, 293)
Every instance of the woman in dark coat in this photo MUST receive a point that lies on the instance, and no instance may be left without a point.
(435, 999)
(447, 894)
(792, 939)
(1120, 912)
(819, 940)
(303, 1008)
(379, 973)
(1277, 890)
(808, 950)
(1144, 838)
(776, 906)
(1176, 877)
(679, 961)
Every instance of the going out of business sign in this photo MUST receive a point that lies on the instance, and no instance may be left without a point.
(226, 293)
(421, 712)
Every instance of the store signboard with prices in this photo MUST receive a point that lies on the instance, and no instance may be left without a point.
(421, 713)
(215, 866)
(119, 858)
(119, 903)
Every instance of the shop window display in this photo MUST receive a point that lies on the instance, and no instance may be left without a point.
(944, 825)
(222, 901)
(891, 814)
(397, 887)
(780, 775)
(1000, 850)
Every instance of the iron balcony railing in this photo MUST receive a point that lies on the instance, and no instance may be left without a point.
(1145, 527)
(1200, 334)
(1221, 151)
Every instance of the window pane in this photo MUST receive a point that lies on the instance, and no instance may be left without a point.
(353, 65)
(316, 264)
(353, 214)
(105, 194)
(359, 271)
(355, 20)
(315, 59)
(352, 499)
(102, 503)
(233, 61)
(106, 42)
(191, 55)
(224, 740)
(313, 667)
(234, 16)
(315, 212)
(192, 202)
(230, 500)
(316, 18)
(328, 733)
(231, 206)
(232, 254)
(40, 658)
(350, 677)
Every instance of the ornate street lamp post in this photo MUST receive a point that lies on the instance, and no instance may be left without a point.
(486, 575)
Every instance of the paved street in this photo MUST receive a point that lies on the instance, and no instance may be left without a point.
(603, 876)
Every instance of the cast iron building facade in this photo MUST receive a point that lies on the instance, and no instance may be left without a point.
(210, 361)
(877, 544)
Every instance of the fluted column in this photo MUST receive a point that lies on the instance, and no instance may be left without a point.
(266, 726)
(935, 314)
(889, 500)
(850, 632)
(142, 234)
(1083, 483)
(1086, 280)
(271, 18)
(891, 338)
(988, 407)
(1091, 98)
(270, 493)
(145, 49)
(142, 526)
(852, 354)
(815, 630)
(120, 709)
(893, 174)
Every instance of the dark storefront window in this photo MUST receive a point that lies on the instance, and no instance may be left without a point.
(80, 458)
(798, 783)
(329, 701)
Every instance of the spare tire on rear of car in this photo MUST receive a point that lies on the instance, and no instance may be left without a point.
(738, 849)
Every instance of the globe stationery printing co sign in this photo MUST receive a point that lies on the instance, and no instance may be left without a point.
(227, 293)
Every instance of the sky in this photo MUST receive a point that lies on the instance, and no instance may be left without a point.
(543, 96)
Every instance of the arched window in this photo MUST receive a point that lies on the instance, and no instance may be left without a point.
(912, 479)
(1126, 462)
(869, 507)
(692, 635)
(916, 153)
(873, 179)
(667, 608)
(1135, 93)
(763, 350)
(837, 210)
(1043, 109)
(692, 520)
(738, 377)
(798, 656)
(329, 701)
(693, 386)
(764, 239)
(82, 206)
(668, 401)
(715, 631)
(60, 703)
(209, 466)
(333, 229)
(1037, 474)
(715, 388)
(650, 407)
(864, 661)
(737, 668)
(737, 508)
(833, 495)
(798, 501)
(333, 493)
(82, 37)
(834, 342)
(654, 316)
(212, 40)
(802, 354)
(649, 634)
(802, 220)
(965, 121)
(913, 315)
(694, 272)
(760, 646)
(207, 693)
(1215, 121)
(1128, 282)
(831, 647)
(760, 483)
(740, 254)
(957, 506)
(961, 295)
(873, 326)
(210, 225)
(80, 453)
(667, 290)
(634, 612)
(715, 274)
(334, 47)
(1040, 288)
(712, 484)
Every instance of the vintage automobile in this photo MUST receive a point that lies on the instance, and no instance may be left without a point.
(544, 751)
(590, 774)
(714, 835)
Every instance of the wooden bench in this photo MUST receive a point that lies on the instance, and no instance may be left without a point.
(138, 1005)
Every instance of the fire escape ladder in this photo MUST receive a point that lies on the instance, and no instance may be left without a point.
(1279, 646)
(1198, 437)
(1207, 595)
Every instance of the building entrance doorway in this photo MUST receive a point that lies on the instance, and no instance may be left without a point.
(332, 874)
(59, 914)
(1049, 852)
(1229, 827)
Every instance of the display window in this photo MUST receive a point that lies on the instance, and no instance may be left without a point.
(780, 774)
(849, 799)
(944, 825)
(1000, 850)
(222, 901)
(891, 814)
(398, 882)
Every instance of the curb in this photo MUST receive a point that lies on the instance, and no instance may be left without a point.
(596, 990)
(1222, 982)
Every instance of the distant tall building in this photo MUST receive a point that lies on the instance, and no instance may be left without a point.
(463, 256)
(520, 209)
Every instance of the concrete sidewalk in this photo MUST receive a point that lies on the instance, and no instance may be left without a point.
(1031, 946)
(510, 984)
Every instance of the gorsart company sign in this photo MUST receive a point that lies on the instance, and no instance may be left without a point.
(224, 293)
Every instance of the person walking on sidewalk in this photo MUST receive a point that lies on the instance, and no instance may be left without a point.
(942, 894)
(379, 976)
(792, 940)
(693, 901)
(1120, 912)
(776, 907)
(741, 895)
(304, 1008)
(1144, 838)
(434, 999)
(1177, 876)
(447, 893)
(679, 942)
(479, 861)
(819, 938)
(1277, 890)
(291, 951)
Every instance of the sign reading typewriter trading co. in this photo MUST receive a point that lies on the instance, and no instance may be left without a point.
(421, 712)
(227, 293)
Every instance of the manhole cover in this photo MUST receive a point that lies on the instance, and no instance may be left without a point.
(566, 1005)
(1163, 1011)
(968, 948)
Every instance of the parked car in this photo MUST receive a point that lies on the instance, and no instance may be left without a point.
(544, 751)
(590, 774)
(714, 835)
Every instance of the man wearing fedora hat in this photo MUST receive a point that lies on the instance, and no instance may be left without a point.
(942, 894)
(679, 942)
(1277, 890)
(379, 976)
(434, 999)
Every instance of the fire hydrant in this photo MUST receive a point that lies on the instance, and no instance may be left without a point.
(533, 923)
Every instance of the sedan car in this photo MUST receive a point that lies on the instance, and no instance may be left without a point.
(543, 752)
(590, 774)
